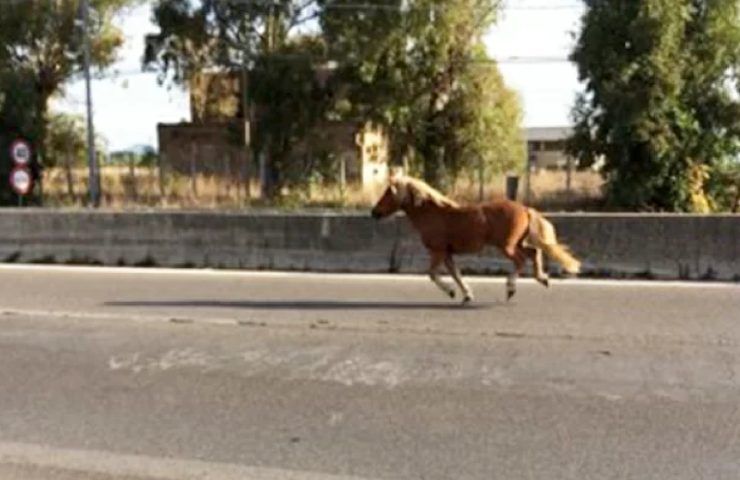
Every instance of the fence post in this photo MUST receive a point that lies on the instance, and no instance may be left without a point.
(530, 163)
(68, 174)
(512, 186)
(227, 176)
(193, 169)
(569, 178)
(160, 175)
(132, 176)
(245, 176)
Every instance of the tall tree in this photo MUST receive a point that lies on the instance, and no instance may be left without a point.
(258, 37)
(43, 39)
(195, 35)
(419, 67)
(290, 103)
(66, 144)
(658, 105)
(16, 120)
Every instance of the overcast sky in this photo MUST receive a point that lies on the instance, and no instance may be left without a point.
(532, 40)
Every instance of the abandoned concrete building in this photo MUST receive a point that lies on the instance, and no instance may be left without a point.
(215, 140)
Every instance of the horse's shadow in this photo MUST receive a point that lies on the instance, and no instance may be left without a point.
(305, 304)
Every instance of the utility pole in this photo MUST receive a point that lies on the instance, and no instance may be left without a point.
(266, 162)
(247, 124)
(92, 160)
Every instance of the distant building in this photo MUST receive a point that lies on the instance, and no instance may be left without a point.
(214, 141)
(546, 146)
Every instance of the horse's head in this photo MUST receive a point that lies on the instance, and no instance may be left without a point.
(409, 193)
(389, 203)
(394, 196)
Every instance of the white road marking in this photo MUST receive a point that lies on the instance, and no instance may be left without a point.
(313, 276)
(109, 463)
(131, 317)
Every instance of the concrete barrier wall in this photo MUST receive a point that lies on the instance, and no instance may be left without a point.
(612, 245)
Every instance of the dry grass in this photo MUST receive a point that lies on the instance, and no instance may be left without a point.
(549, 191)
(143, 187)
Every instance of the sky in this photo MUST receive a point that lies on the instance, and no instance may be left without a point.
(532, 41)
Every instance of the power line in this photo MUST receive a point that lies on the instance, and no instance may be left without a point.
(564, 6)
(364, 5)
(536, 60)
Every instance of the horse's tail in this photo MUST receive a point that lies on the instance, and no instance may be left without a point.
(542, 235)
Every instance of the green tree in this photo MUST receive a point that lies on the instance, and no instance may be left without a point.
(66, 140)
(43, 37)
(66, 144)
(41, 44)
(259, 38)
(195, 35)
(291, 103)
(419, 67)
(658, 105)
(16, 121)
(482, 125)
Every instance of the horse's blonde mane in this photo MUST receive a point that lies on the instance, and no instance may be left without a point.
(422, 191)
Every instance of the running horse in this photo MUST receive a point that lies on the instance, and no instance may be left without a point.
(448, 228)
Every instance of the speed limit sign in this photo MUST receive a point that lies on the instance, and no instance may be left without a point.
(21, 181)
(20, 152)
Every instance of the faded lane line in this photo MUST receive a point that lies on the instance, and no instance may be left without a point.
(344, 276)
(108, 463)
(493, 332)
(130, 317)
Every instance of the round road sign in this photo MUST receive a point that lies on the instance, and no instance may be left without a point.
(20, 152)
(20, 180)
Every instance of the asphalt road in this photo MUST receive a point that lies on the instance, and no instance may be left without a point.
(155, 374)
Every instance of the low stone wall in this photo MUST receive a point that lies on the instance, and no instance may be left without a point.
(611, 245)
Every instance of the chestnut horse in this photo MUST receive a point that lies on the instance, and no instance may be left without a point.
(448, 228)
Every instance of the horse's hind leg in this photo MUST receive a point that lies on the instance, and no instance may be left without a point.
(516, 255)
(436, 259)
(539, 273)
(455, 272)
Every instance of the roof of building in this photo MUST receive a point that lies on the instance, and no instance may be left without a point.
(545, 134)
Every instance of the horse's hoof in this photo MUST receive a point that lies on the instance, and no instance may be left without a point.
(451, 294)
(510, 294)
(467, 300)
(545, 282)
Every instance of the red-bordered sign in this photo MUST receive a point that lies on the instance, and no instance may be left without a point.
(20, 152)
(21, 180)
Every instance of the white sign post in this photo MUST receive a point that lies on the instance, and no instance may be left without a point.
(21, 181)
(20, 177)
(20, 152)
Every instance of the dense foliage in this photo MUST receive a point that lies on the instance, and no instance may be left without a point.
(417, 67)
(40, 50)
(662, 100)
(420, 68)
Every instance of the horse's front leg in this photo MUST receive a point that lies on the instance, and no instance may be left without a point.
(435, 261)
(455, 272)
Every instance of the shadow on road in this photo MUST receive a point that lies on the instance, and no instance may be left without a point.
(306, 304)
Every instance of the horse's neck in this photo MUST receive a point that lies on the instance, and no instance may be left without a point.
(420, 215)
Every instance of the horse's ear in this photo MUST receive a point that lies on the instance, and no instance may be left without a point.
(394, 173)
